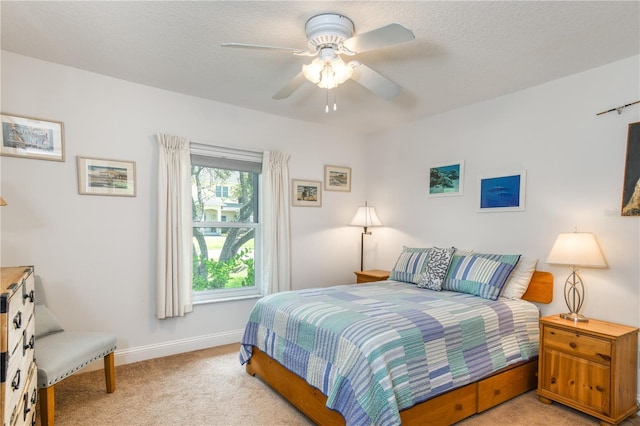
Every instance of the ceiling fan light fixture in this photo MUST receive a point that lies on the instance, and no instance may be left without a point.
(327, 73)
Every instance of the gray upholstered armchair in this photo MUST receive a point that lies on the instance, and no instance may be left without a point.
(60, 353)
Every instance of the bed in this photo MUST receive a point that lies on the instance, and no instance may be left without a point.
(389, 352)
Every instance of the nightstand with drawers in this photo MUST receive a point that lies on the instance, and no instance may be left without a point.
(371, 275)
(590, 366)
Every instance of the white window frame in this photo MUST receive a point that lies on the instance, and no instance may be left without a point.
(220, 295)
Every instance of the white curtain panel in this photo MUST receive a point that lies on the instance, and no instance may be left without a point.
(276, 220)
(175, 224)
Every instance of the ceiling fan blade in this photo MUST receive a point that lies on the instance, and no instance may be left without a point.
(376, 82)
(382, 37)
(267, 47)
(291, 86)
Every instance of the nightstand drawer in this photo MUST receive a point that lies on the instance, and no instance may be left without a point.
(578, 344)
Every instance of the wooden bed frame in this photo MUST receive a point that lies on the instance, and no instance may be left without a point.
(444, 409)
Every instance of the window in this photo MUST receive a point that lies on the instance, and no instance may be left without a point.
(222, 191)
(226, 223)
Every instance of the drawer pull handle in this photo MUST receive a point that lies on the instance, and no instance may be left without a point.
(599, 388)
(29, 296)
(458, 407)
(17, 320)
(27, 407)
(603, 356)
(29, 345)
(553, 380)
(15, 383)
(496, 392)
(573, 345)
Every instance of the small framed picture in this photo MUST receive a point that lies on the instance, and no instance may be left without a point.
(446, 179)
(337, 178)
(307, 193)
(34, 138)
(106, 177)
(502, 193)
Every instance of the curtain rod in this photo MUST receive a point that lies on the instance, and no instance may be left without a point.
(619, 109)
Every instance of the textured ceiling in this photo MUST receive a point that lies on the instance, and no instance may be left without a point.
(464, 52)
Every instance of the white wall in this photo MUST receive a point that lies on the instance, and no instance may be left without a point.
(574, 162)
(94, 256)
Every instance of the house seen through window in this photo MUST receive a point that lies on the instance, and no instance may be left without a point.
(226, 226)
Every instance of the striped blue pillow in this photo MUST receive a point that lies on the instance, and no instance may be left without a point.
(410, 265)
(480, 274)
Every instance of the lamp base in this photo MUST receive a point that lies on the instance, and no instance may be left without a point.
(575, 317)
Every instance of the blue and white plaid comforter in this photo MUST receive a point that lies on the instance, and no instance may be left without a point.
(375, 349)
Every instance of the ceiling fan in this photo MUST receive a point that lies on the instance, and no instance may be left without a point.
(330, 35)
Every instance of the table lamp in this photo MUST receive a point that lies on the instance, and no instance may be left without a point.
(576, 249)
(366, 217)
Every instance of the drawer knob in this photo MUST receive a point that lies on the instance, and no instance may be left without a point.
(15, 383)
(603, 356)
(458, 407)
(17, 320)
(553, 380)
(573, 345)
(599, 388)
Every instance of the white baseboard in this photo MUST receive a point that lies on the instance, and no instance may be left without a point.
(174, 347)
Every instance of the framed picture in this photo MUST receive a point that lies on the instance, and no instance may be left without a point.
(446, 179)
(106, 177)
(631, 188)
(337, 178)
(29, 137)
(502, 193)
(307, 193)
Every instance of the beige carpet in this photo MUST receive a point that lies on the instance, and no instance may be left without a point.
(209, 387)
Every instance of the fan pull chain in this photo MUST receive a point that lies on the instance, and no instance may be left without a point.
(326, 107)
(335, 101)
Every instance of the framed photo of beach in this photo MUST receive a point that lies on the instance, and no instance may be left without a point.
(337, 178)
(106, 177)
(34, 138)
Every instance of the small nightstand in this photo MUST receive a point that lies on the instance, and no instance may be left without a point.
(590, 366)
(371, 275)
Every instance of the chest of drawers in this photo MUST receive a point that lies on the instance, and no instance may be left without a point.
(591, 367)
(18, 371)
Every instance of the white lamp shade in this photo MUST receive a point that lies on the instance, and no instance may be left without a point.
(366, 217)
(577, 249)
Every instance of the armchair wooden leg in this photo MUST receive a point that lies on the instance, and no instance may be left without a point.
(47, 405)
(110, 372)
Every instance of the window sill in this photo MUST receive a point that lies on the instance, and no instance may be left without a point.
(227, 299)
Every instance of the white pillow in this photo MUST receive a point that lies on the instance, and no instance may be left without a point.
(519, 278)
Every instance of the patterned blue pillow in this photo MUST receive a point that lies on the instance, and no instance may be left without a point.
(410, 265)
(436, 270)
(479, 274)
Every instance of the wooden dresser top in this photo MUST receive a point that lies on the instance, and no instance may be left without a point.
(11, 275)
